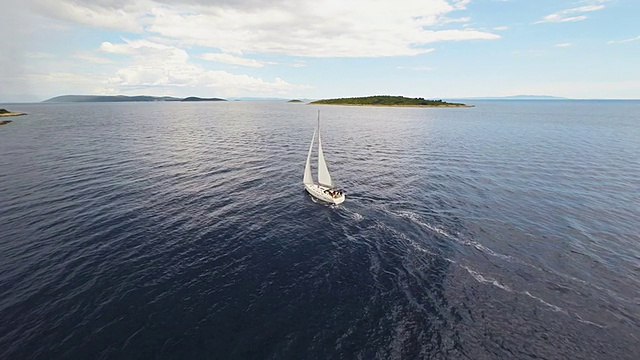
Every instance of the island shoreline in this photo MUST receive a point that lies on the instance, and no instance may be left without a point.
(389, 101)
(411, 106)
(10, 113)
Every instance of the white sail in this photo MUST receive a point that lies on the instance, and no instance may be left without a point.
(307, 178)
(324, 178)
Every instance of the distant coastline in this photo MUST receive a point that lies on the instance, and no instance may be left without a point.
(388, 100)
(518, 97)
(123, 98)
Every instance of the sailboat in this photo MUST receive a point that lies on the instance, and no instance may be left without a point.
(325, 189)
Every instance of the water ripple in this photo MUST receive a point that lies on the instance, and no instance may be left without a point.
(158, 230)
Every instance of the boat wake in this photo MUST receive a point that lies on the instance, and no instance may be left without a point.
(477, 275)
(484, 279)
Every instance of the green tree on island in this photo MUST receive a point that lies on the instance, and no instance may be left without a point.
(386, 100)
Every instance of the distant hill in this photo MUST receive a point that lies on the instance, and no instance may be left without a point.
(194, 98)
(122, 98)
(387, 100)
(108, 98)
(520, 97)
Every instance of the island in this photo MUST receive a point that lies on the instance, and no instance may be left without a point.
(194, 98)
(295, 101)
(5, 112)
(122, 98)
(388, 100)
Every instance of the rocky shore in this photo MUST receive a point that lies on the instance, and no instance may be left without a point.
(5, 112)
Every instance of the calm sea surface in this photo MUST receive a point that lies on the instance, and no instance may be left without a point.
(181, 230)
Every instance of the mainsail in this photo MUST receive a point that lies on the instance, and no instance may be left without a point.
(307, 178)
(323, 172)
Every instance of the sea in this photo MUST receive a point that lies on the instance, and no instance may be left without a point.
(172, 230)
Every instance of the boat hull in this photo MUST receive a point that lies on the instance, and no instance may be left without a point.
(319, 192)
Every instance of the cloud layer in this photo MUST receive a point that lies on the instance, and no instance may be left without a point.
(225, 47)
(637, 38)
(323, 28)
(162, 66)
(573, 14)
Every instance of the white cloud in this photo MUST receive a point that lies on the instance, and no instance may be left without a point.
(233, 60)
(568, 15)
(501, 28)
(461, 4)
(108, 14)
(563, 45)
(141, 47)
(164, 35)
(624, 41)
(455, 20)
(322, 28)
(157, 65)
(379, 29)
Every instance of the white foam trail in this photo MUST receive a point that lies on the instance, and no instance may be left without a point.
(415, 218)
(553, 307)
(489, 280)
(486, 280)
(412, 242)
(417, 246)
(589, 322)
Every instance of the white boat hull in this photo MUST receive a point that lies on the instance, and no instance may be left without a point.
(320, 192)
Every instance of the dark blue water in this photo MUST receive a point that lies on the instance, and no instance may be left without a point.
(181, 230)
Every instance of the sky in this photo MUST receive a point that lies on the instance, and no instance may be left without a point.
(436, 49)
